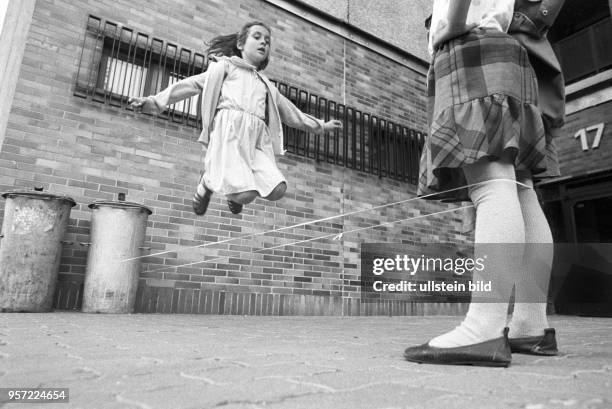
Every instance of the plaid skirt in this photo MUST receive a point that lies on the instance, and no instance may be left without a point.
(482, 101)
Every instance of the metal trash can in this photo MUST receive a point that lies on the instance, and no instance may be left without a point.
(30, 249)
(117, 235)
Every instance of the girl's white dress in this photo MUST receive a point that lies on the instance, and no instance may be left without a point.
(240, 155)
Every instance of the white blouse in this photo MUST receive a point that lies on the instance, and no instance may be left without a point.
(495, 14)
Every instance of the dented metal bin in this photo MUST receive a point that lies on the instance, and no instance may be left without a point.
(113, 264)
(33, 227)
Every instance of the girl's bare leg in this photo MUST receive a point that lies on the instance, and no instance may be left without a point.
(243, 197)
(278, 192)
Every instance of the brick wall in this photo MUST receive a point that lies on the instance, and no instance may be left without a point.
(90, 151)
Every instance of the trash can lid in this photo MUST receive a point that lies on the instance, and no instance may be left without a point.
(34, 194)
(119, 205)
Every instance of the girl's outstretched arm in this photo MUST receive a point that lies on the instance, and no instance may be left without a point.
(178, 91)
(292, 116)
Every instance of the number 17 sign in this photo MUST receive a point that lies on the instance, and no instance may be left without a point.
(582, 134)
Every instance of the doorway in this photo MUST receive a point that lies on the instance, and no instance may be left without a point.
(579, 211)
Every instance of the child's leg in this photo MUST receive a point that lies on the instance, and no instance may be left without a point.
(202, 189)
(278, 192)
(201, 198)
(529, 316)
(243, 197)
(498, 220)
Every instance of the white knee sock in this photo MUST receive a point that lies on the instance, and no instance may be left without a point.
(529, 316)
(498, 220)
(200, 189)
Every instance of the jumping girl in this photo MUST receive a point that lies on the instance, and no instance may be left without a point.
(242, 114)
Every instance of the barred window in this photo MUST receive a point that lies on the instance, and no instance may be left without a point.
(121, 76)
(117, 63)
(366, 143)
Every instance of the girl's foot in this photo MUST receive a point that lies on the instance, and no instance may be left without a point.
(528, 320)
(494, 352)
(464, 335)
(483, 322)
(201, 199)
(545, 344)
(234, 207)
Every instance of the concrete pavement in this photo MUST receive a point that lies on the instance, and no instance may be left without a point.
(207, 361)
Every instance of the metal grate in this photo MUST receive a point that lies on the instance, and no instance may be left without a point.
(117, 63)
(586, 52)
(366, 143)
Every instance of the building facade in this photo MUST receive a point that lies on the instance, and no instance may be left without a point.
(67, 129)
(68, 68)
(578, 204)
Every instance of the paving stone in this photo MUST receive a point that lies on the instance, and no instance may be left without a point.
(209, 361)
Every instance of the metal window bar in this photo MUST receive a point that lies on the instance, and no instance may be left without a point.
(126, 66)
(313, 108)
(165, 66)
(142, 41)
(84, 72)
(397, 143)
(347, 143)
(382, 141)
(390, 150)
(303, 138)
(405, 144)
(117, 62)
(156, 83)
(333, 145)
(133, 87)
(414, 156)
(294, 96)
(341, 158)
(176, 109)
(362, 141)
(110, 69)
(353, 123)
(372, 145)
(323, 113)
(174, 66)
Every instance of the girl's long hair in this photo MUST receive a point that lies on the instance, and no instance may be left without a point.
(227, 45)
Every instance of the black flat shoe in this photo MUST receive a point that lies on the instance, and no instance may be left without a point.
(234, 207)
(200, 202)
(539, 345)
(495, 352)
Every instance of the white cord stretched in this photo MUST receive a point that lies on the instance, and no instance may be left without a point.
(335, 235)
(294, 226)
